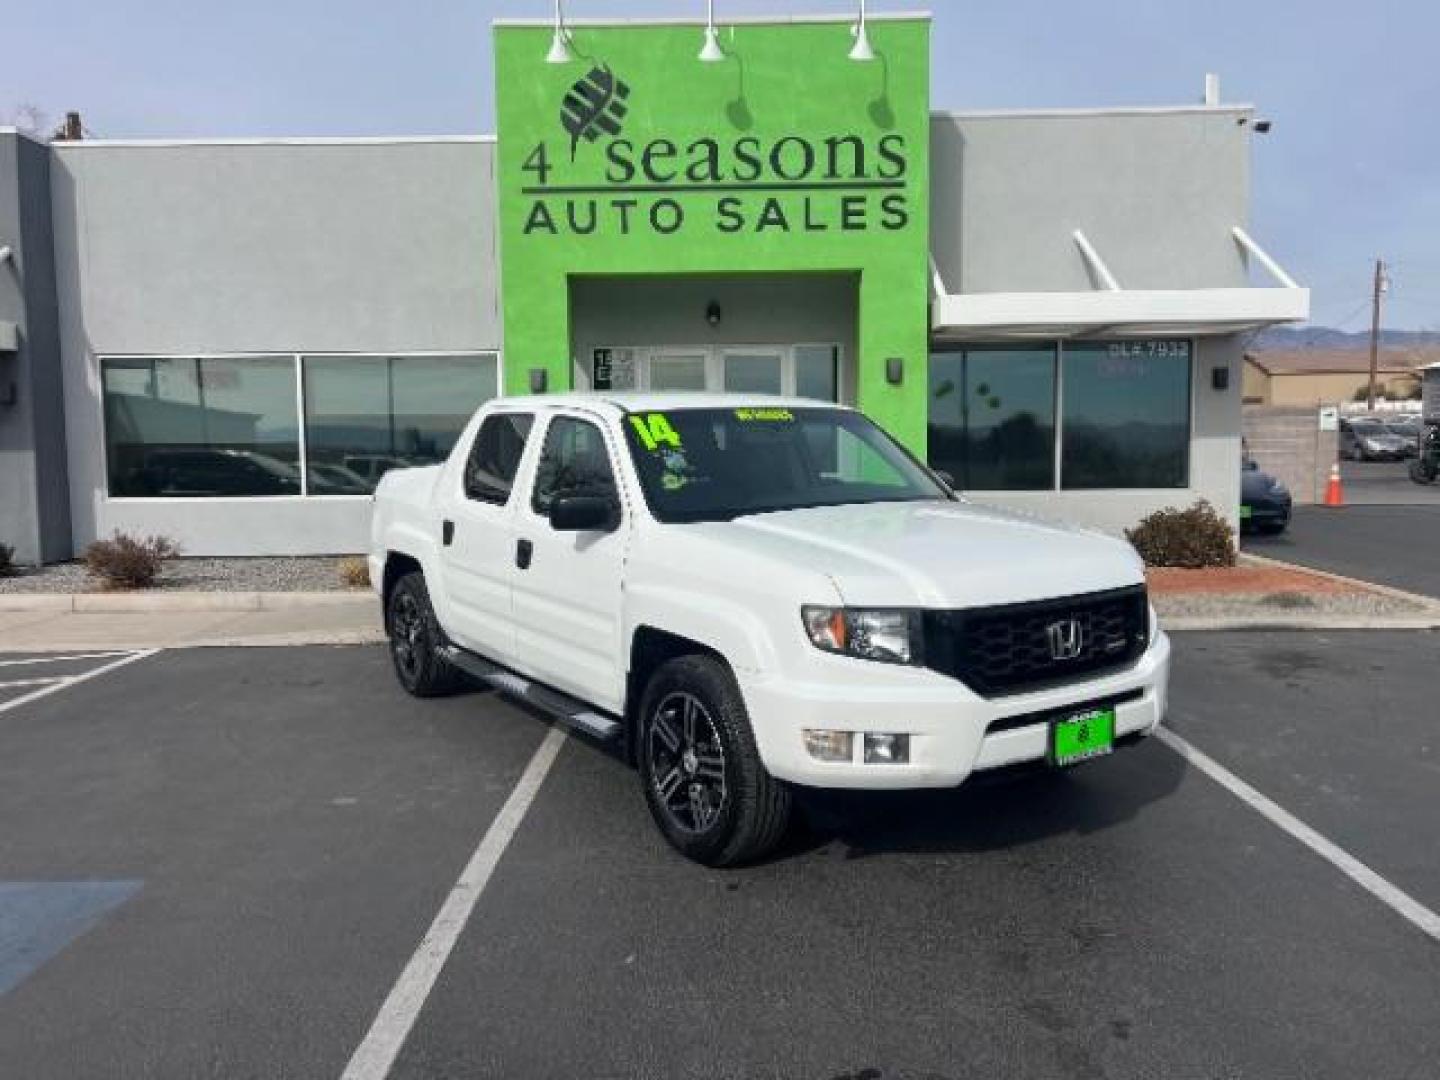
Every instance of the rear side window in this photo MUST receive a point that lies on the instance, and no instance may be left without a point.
(573, 462)
(495, 457)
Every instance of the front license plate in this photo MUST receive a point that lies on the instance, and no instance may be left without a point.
(1082, 736)
(1246, 513)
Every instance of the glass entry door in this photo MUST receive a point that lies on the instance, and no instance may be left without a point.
(754, 371)
(811, 371)
(675, 370)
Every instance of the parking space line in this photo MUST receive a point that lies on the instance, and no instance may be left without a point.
(63, 659)
(13, 683)
(69, 681)
(1391, 895)
(376, 1054)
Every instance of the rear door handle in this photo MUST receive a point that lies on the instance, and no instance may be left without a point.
(447, 533)
(524, 551)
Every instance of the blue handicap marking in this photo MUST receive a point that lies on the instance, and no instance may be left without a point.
(39, 918)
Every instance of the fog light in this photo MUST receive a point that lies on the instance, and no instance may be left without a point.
(829, 745)
(887, 749)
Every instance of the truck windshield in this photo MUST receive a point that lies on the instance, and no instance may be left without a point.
(718, 464)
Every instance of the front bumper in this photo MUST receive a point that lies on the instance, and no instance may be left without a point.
(948, 724)
(1266, 511)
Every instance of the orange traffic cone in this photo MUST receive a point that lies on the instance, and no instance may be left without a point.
(1333, 495)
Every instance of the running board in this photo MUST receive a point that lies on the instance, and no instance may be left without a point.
(567, 710)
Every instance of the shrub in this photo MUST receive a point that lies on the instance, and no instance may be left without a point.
(7, 561)
(355, 572)
(126, 562)
(1190, 538)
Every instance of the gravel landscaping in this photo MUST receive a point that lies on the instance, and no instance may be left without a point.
(1282, 605)
(314, 574)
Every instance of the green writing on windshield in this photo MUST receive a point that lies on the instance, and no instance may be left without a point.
(655, 431)
(772, 415)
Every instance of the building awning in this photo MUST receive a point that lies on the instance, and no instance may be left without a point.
(1114, 311)
(9, 337)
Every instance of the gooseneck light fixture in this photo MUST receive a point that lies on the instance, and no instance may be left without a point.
(559, 44)
(861, 50)
(710, 52)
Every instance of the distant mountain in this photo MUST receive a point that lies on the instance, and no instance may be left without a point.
(1322, 337)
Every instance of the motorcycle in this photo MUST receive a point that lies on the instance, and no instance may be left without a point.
(1425, 469)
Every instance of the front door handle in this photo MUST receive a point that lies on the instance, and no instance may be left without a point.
(447, 533)
(524, 551)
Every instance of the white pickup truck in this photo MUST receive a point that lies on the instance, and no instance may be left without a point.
(750, 594)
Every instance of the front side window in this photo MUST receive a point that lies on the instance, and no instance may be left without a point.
(719, 464)
(366, 415)
(495, 458)
(573, 461)
(992, 417)
(1127, 415)
(197, 428)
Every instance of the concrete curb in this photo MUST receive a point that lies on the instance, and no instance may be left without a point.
(1424, 601)
(140, 603)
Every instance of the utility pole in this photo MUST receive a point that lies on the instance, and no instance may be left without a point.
(1381, 283)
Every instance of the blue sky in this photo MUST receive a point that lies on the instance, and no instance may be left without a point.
(1351, 170)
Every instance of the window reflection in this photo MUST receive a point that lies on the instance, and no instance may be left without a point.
(1127, 415)
(189, 428)
(366, 415)
(992, 417)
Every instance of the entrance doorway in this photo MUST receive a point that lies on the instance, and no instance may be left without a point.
(805, 370)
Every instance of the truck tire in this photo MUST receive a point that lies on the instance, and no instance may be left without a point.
(702, 775)
(416, 639)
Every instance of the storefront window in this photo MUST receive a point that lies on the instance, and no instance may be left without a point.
(1127, 415)
(191, 428)
(366, 415)
(992, 417)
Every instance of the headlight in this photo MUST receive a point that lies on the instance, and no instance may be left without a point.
(887, 635)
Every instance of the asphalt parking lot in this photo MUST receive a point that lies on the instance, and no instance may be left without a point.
(220, 862)
(1396, 545)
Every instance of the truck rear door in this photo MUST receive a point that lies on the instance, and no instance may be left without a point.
(478, 537)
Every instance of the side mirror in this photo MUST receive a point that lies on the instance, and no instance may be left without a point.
(1249, 465)
(583, 513)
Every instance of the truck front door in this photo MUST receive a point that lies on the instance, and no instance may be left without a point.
(567, 592)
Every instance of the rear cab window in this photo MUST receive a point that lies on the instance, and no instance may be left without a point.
(495, 456)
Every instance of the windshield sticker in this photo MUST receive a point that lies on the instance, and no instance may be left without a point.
(772, 415)
(654, 430)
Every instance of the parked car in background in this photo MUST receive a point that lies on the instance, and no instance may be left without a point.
(1369, 440)
(1265, 502)
(1407, 428)
(373, 466)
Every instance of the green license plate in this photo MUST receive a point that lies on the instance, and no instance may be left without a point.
(1083, 736)
(1245, 513)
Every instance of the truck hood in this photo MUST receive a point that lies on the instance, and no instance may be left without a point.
(938, 555)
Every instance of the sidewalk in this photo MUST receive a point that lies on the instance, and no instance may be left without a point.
(47, 621)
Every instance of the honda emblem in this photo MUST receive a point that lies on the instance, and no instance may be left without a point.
(1066, 638)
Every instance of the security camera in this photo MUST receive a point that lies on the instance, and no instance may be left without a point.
(1262, 127)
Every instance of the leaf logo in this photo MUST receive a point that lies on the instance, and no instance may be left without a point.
(594, 106)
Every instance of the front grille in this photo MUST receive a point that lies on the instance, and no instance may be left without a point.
(1010, 649)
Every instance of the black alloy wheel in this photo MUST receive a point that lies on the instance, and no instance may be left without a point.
(687, 763)
(704, 781)
(416, 640)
